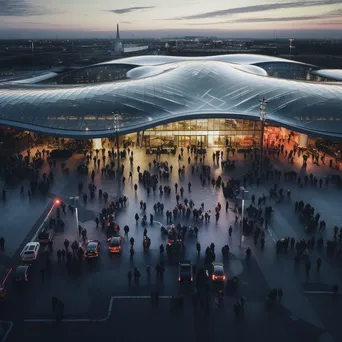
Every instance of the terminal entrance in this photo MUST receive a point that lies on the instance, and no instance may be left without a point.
(192, 140)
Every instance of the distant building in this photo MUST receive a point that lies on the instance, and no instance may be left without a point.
(120, 49)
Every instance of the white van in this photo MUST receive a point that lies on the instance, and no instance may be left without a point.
(30, 252)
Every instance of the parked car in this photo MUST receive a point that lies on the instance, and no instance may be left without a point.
(30, 252)
(185, 272)
(114, 244)
(45, 236)
(217, 274)
(21, 274)
(92, 249)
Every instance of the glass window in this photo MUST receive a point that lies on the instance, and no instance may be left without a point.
(187, 125)
(181, 125)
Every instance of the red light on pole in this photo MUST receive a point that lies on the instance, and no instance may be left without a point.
(57, 201)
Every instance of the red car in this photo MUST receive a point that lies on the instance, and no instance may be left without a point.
(114, 244)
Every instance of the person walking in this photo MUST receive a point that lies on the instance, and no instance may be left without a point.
(54, 303)
(50, 243)
(242, 304)
(318, 264)
(63, 255)
(308, 268)
(335, 289)
(59, 256)
(129, 276)
(230, 230)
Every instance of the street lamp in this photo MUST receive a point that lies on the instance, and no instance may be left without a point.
(73, 201)
(263, 117)
(117, 120)
(32, 48)
(291, 46)
(244, 195)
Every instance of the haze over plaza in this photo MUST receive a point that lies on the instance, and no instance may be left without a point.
(147, 18)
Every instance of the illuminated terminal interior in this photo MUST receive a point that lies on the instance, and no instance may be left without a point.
(204, 132)
(237, 133)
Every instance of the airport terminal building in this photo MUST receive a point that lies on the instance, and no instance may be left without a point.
(182, 101)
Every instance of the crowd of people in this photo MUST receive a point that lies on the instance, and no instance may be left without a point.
(183, 208)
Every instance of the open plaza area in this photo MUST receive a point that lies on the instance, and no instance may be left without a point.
(98, 298)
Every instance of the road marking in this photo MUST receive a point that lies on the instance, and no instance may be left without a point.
(95, 320)
(158, 223)
(318, 292)
(8, 330)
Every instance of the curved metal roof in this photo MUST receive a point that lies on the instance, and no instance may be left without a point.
(332, 74)
(234, 58)
(190, 89)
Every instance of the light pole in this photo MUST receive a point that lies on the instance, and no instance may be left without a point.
(73, 201)
(291, 46)
(263, 117)
(117, 119)
(32, 48)
(244, 196)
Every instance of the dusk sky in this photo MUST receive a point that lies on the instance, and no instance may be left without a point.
(160, 18)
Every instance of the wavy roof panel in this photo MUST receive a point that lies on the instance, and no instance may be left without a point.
(180, 90)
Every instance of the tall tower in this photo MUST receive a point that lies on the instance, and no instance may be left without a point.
(117, 33)
(118, 49)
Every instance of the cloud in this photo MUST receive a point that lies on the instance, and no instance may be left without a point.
(21, 8)
(327, 15)
(129, 9)
(260, 8)
(260, 20)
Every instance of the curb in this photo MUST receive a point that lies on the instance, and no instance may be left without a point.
(5, 331)
(94, 320)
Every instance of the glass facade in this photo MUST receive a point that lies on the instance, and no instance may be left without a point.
(205, 133)
(287, 70)
(95, 74)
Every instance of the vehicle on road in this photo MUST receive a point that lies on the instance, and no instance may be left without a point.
(4, 278)
(217, 274)
(114, 244)
(92, 249)
(30, 252)
(185, 272)
(21, 274)
(45, 236)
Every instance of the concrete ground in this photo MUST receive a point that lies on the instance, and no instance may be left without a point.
(87, 292)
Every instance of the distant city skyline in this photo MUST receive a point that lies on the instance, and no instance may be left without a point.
(162, 18)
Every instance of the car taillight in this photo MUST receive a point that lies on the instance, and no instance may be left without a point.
(224, 277)
(191, 278)
(178, 278)
(26, 277)
(213, 277)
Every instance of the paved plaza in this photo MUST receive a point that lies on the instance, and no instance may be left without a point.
(307, 310)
